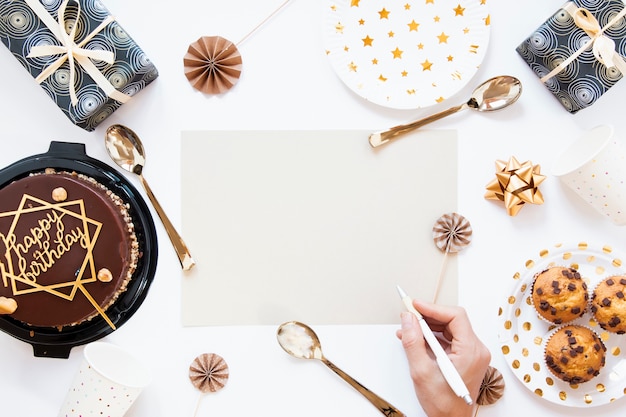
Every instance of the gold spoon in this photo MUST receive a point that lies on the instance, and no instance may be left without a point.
(300, 341)
(494, 94)
(127, 151)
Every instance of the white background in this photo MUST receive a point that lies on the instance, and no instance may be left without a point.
(287, 83)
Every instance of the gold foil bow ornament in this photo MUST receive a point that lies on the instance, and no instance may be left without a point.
(516, 184)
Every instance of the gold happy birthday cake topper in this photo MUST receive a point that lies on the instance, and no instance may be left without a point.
(36, 252)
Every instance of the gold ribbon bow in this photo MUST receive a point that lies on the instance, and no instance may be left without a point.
(516, 184)
(73, 52)
(603, 47)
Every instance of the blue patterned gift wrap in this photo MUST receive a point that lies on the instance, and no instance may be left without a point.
(585, 79)
(106, 67)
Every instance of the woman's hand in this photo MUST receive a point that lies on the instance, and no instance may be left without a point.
(468, 354)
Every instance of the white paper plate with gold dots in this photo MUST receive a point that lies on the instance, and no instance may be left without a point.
(406, 54)
(522, 333)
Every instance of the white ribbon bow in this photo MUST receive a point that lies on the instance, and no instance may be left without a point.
(73, 52)
(603, 47)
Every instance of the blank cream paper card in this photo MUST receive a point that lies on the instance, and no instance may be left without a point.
(315, 226)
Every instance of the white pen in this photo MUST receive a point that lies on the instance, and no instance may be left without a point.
(447, 368)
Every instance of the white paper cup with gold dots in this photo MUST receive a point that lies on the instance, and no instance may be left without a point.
(594, 167)
(107, 383)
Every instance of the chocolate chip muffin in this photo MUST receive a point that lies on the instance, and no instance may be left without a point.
(575, 354)
(608, 304)
(559, 294)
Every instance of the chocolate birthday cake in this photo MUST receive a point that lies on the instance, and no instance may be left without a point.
(68, 249)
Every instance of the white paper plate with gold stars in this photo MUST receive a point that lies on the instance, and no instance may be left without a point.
(522, 333)
(406, 54)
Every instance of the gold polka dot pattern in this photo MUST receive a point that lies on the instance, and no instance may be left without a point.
(523, 334)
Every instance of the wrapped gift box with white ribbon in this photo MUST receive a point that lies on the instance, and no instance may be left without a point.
(79, 54)
(578, 52)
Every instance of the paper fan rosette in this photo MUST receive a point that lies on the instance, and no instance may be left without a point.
(212, 64)
(451, 233)
(491, 388)
(208, 373)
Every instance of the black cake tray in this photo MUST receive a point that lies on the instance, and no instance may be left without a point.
(54, 343)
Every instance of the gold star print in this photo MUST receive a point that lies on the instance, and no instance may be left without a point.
(436, 19)
(413, 26)
(355, 3)
(411, 92)
(466, 31)
(443, 38)
(361, 22)
(333, 8)
(426, 66)
(483, 2)
(374, 61)
(488, 20)
(397, 53)
(440, 99)
(391, 34)
(339, 27)
(404, 73)
(367, 41)
(346, 48)
(407, 6)
(381, 78)
(352, 67)
(430, 1)
(420, 46)
(450, 58)
(384, 14)
(458, 10)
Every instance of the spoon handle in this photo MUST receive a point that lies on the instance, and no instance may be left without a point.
(380, 138)
(382, 405)
(186, 261)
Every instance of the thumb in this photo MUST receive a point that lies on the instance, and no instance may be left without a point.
(412, 338)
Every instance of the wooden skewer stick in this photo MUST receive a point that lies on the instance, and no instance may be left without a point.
(451, 233)
(97, 306)
(441, 272)
(263, 22)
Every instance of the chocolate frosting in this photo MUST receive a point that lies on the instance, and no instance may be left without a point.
(53, 250)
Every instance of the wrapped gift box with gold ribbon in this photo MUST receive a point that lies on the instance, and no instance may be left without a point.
(78, 53)
(578, 53)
